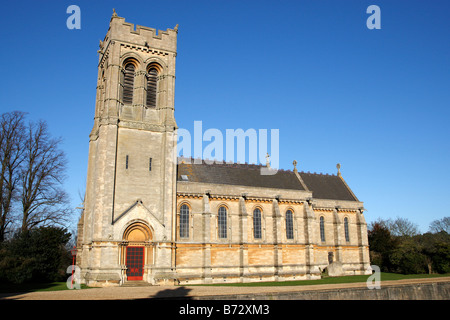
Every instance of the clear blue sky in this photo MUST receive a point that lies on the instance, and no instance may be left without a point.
(376, 101)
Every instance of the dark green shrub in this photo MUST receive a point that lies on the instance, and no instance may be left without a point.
(38, 255)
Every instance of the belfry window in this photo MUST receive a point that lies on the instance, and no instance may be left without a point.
(152, 87)
(222, 222)
(184, 221)
(128, 83)
(257, 224)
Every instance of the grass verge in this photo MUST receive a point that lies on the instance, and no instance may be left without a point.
(32, 287)
(330, 280)
(56, 286)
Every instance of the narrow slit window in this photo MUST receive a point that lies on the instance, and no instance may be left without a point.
(322, 229)
(222, 222)
(150, 164)
(289, 225)
(257, 224)
(347, 234)
(184, 221)
(126, 162)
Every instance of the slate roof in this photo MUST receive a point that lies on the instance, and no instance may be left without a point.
(326, 186)
(323, 186)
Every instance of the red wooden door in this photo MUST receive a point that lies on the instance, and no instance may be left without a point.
(135, 263)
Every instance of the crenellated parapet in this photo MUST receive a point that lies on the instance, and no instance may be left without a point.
(122, 31)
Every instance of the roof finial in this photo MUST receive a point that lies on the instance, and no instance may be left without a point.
(295, 165)
(267, 160)
(338, 166)
(114, 13)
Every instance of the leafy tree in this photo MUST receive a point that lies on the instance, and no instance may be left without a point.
(35, 255)
(396, 246)
(381, 244)
(436, 247)
(441, 258)
(408, 258)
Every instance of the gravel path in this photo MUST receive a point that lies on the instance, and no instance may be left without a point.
(124, 293)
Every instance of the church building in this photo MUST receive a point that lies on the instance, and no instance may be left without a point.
(151, 217)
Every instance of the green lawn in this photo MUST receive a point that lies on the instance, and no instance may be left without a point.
(330, 280)
(31, 287)
(55, 286)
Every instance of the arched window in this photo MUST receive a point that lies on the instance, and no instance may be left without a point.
(322, 229)
(257, 224)
(289, 225)
(128, 83)
(184, 221)
(347, 234)
(152, 87)
(222, 222)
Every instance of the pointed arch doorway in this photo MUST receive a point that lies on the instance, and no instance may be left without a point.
(137, 252)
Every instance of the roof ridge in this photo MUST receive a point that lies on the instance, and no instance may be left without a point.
(229, 164)
(318, 173)
(219, 163)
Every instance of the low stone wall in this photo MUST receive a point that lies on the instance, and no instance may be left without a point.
(416, 291)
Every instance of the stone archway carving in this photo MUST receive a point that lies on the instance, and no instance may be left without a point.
(137, 232)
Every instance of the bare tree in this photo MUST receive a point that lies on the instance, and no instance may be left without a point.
(44, 202)
(440, 225)
(12, 130)
(403, 227)
(399, 226)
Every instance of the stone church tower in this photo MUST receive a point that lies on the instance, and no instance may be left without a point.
(131, 180)
(148, 218)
